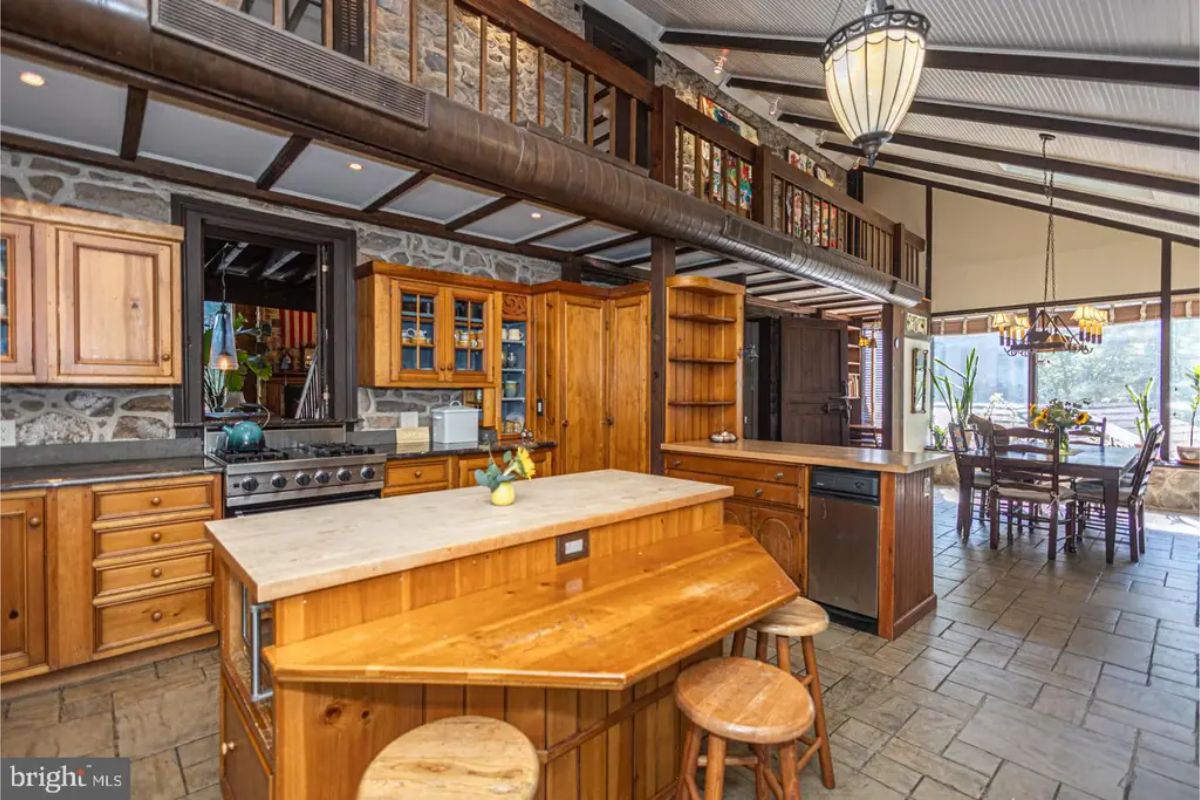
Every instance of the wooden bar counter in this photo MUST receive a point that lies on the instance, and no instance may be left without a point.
(568, 614)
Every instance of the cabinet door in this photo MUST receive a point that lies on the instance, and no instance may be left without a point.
(779, 534)
(583, 437)
(739, 514)
(17, 349)
(118, 308)
(629, 383)
(22, 582)
(472, 338)
(416, 355)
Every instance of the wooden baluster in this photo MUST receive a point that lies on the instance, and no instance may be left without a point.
(483, 62)
(541, 86)
(633, 129)
(513, 53)
(568, 106)
(698, 156)
(589, 109)
(680, 136)
(451, 16)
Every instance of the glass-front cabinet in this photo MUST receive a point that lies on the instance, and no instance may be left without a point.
(16, 300)
(513, 377)
(441, 335)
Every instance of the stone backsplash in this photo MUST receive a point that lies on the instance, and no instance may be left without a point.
(46, 415)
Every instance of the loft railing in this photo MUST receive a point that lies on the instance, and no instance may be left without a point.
(713, 162)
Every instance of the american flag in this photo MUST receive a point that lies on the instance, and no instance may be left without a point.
(299, 328)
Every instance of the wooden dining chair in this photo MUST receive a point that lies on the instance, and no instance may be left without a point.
(1131, 497)
(1093, 433)
(1026, 472)
(963, 442)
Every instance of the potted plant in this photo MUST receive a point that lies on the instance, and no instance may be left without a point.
(1141, 401)
(960, 399)
(939, 437)
(1190, 454)
(1059, 414)
(499, 481)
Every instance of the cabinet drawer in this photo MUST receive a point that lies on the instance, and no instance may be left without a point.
(126, 539)
(244, 775)
(746, 489)
(120, 502)
(417, 476)
(733, 468)
(152, 617)
(152, 573)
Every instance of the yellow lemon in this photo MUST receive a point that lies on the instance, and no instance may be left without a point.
(504, 494)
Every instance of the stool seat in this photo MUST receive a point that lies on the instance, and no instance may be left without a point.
(457, 758)
(745, 700)
(801, 617)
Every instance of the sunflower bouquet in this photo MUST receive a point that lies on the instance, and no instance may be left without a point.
(498, 480)
(1059, 414)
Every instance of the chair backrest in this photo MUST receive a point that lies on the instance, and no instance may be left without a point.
(983, 433)
(1141, 468)
(1092, 432)
(1025, 458)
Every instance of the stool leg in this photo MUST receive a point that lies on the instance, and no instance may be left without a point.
(691, 761)
(760, 645)
(783, 649)
(739, 643)
(714, 772)
(814, 689)
(762, 766)
(787, 766)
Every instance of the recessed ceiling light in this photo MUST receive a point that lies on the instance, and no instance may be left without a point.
(32, 79)
(535, 215)
(354, 165)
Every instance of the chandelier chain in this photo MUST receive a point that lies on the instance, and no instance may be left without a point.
(1050, 277)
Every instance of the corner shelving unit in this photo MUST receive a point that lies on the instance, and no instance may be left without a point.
(704, 357)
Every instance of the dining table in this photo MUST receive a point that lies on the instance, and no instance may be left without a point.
(1104, 464)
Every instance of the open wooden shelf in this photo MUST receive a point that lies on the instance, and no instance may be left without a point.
(704, 341)
(712, 319)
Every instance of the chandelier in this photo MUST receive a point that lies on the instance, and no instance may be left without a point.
(872, 66)
(1047, 332)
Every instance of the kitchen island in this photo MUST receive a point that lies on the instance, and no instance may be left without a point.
(871, 555)
(568, 614)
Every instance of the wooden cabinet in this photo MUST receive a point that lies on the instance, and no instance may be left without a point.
(425, 331)
(244, 772)
(23, 636)
(465, 466)
(89, 298)
(593, 356)
(410, 477)
(780, 532)
(21, 356)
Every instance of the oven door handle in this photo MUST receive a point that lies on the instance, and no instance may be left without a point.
(257, 692)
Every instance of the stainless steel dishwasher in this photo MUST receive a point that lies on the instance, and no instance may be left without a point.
(843, 540)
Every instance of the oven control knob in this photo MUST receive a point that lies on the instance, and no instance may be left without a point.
(367, 473)
(302, 479)
(250, 483)
(344, 474)
(322, 476)
(278, 481)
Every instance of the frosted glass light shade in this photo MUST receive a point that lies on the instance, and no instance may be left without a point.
(872, 67)
(223, 349)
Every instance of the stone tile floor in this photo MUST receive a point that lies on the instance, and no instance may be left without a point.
(1064, 680)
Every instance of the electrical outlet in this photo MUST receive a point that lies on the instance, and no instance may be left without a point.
(8, 433)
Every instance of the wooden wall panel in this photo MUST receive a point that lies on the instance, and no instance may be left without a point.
(913, 548)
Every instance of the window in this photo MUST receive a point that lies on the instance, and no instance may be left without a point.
(1129, 355)
(1185, 358)
(1001, 382)
(873, 379)
(338, 24)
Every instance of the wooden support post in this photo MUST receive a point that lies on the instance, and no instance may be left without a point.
(898, 250)
(929, 243)
(620, 125)
(662, 136)
(1164, 359)
(762, 186)
(662, 266)
(891, 318)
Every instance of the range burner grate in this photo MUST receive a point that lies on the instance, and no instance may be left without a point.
(237, 457)
(336, 449)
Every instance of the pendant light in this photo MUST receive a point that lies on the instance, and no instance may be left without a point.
(222, 350)
(1048, 332)
(872, 67)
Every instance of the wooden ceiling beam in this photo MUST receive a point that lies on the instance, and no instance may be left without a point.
(1096, 129)
(402, 187)
(484, 211)
(1072, 195)
(135, 116)
(1105, 70)
(286, 156)
(1162, 183)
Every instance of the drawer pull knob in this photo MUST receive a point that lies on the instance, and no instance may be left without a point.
(156, 536)
(166, 356)
(228, 747)
(156, 572)
(156, 616)
(758, 492)
(156, 501)
(778, 476)
(35, 522)
(417, 474)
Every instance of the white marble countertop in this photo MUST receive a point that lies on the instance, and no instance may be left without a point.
(285, 553)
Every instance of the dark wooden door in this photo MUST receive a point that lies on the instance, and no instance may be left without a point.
(813, 406)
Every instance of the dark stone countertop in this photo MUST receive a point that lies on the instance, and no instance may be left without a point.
(51, 475)
(396, 452)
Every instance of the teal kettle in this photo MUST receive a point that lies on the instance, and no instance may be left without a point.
(244, 437)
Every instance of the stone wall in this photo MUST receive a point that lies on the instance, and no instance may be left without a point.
(56, 415)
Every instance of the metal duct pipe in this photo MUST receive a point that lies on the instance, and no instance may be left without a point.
(458, 138)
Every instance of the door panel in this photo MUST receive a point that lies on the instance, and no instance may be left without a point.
(22, 582)
(17, 349)
(739, 514)
(813, 407)
(629, 384)
(416, 354)
(779, 534)
(583, 432)
(118, 300)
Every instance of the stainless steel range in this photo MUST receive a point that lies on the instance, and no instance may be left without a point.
(291, 473)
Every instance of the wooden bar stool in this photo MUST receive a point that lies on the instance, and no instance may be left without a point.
(747, 701)
(803, 619)
(457, 758)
